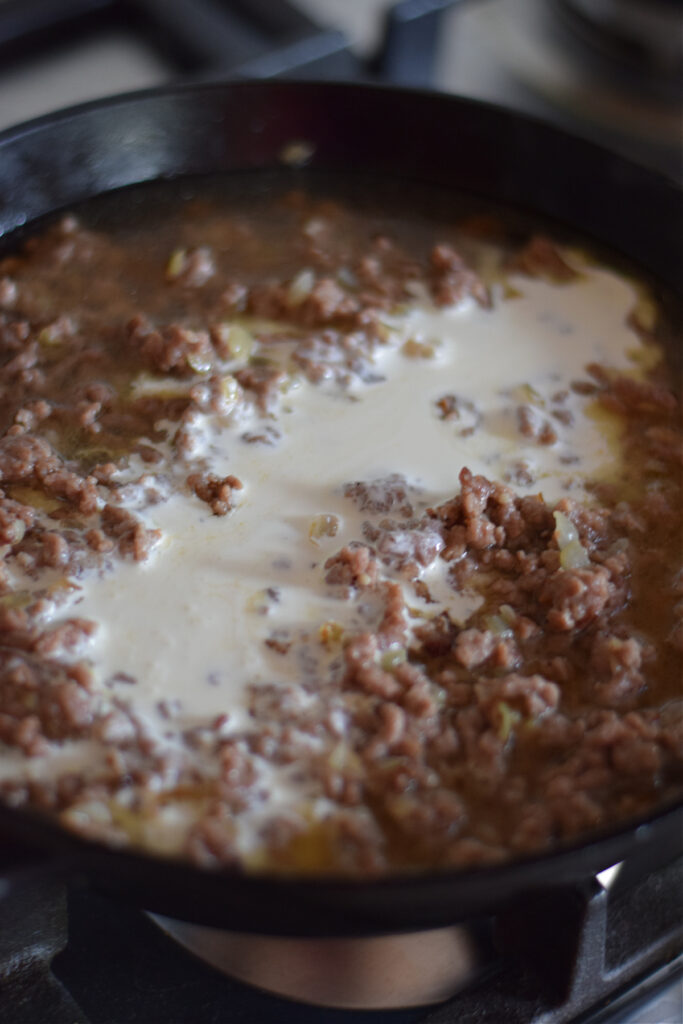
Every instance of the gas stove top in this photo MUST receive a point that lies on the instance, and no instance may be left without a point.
(596, 954)
(611, 951)
(611, 70)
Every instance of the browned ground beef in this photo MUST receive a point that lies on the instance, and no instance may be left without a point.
(557, 708)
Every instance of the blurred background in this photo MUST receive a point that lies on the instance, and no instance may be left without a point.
(608, 69)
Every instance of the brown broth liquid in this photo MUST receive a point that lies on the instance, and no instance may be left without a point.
(479, 768)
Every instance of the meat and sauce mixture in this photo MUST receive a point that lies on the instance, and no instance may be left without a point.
(332, 540)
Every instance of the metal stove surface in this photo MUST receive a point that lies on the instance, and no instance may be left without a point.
(383, 972)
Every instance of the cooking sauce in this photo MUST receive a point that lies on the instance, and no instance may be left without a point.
(232, 714)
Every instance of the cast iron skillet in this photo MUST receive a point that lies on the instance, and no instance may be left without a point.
(67, 157)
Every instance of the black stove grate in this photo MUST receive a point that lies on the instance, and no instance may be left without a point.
(579, 955)
(237, 38)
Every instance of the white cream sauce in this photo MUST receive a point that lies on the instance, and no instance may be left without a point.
(190, 624)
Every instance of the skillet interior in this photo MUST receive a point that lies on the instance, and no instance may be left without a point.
(64, 159)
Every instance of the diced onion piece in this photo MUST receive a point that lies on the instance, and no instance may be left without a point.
(323, 525)
(301, 287)
(507, 720)
(49, 337)
(90, 812)
(418, 349)
(35, 498)
(645, 313)
(290, 382)
(497, 625)
(260, 602)
(230, 391)
(330, 633)
(55, 333)
(17, 599)
(63, 585)
(261, 327)
(416, 289)
(159, 387)
(236, 342)
(393, 657)
(574, 556)
(402, 807)
(176, 264)
(572, 553)
(8, 292)
(565, 531)
(510, 292)
(314, 226)
(527, 393)
(297, 152)
(199, 362)
(15, 531)
(343, 759)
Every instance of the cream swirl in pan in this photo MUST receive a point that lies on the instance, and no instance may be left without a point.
(227, 720)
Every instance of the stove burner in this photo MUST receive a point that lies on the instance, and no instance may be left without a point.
(386, 972)
(550, 959)
(577, 954)
(119, 968)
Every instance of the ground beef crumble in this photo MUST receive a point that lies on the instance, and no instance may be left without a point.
(452, 279)
(541, 257)
(533, 425)
(407, 547)
(392, 494)
(216, 492)
(436, 743)
(561, 649)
